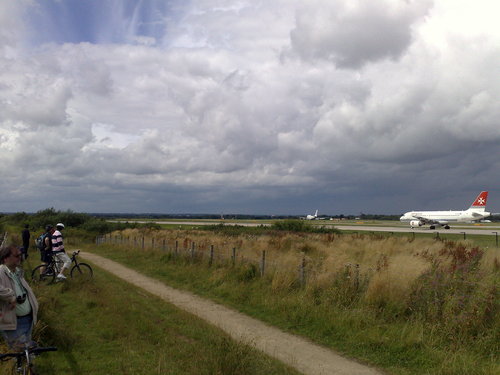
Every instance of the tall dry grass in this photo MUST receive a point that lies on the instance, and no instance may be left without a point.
(453, 284)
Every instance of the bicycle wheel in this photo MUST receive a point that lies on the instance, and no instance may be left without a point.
(14, 368)
(82, 271)
(30, 370)
(24, 370)
(46, 277)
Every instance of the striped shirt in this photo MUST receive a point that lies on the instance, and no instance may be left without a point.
(57, 242)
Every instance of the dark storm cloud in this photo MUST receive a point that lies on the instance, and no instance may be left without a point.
(255, 107)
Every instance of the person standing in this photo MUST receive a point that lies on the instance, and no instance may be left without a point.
(58, 250)
(45, 246)
(26, 240)
(18, 304)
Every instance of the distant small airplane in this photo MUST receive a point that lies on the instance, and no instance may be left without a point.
(312, 217)
(475, 213)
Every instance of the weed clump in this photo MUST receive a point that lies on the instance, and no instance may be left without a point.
(247, 272)
(230, 358)
(454, 295)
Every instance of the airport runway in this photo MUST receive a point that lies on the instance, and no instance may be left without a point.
(487, 231)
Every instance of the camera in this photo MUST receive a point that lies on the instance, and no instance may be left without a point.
(21, 299)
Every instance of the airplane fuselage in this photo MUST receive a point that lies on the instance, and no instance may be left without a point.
(312, 217)
(445, 217)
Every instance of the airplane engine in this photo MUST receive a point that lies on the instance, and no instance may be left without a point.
(416, 223)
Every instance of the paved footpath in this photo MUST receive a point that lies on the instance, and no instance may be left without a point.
(297, 352)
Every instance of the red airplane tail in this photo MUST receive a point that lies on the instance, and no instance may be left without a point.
(480, 202)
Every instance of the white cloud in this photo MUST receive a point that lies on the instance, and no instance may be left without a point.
(351, 34)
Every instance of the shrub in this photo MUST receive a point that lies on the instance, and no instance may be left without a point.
(247, 272)
(455, 295)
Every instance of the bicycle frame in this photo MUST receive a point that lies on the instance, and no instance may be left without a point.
(47, 272)
(56, 264)
(24, 358)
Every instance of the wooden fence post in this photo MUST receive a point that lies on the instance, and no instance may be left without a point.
(176, 247)
(356, 277)
(211, 255)
(153, 242)
(142, 242)
(192, 250)
(303, 270)
(163, 245)
(233, 257)
(263, 263)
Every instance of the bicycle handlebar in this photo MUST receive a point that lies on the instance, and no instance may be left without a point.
(6, 356)
(41, 350)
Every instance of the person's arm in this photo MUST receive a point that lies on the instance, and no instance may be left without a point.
(8, 295)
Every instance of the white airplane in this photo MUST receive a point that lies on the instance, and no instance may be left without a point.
(476, 212)
(312, 217)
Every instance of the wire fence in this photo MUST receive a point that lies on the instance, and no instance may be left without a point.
(304, 268)
(264, 263)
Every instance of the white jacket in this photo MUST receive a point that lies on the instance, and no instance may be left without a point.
(8, 318)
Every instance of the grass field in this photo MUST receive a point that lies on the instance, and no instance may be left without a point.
(107, 326)
(419, 307)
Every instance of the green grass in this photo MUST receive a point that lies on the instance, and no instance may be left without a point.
(107, 326)
(374, 336)
(476, 239)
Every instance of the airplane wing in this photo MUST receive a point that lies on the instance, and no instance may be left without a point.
(425, 220)
(480, 216)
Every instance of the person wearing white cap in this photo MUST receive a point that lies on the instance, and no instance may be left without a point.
(59, 252)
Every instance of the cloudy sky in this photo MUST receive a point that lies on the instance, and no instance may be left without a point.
(249, 106)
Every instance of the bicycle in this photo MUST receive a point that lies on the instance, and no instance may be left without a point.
(46, 273)
(24, 359)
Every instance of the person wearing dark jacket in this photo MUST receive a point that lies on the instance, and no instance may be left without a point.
(46, 249)
(26, 240)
